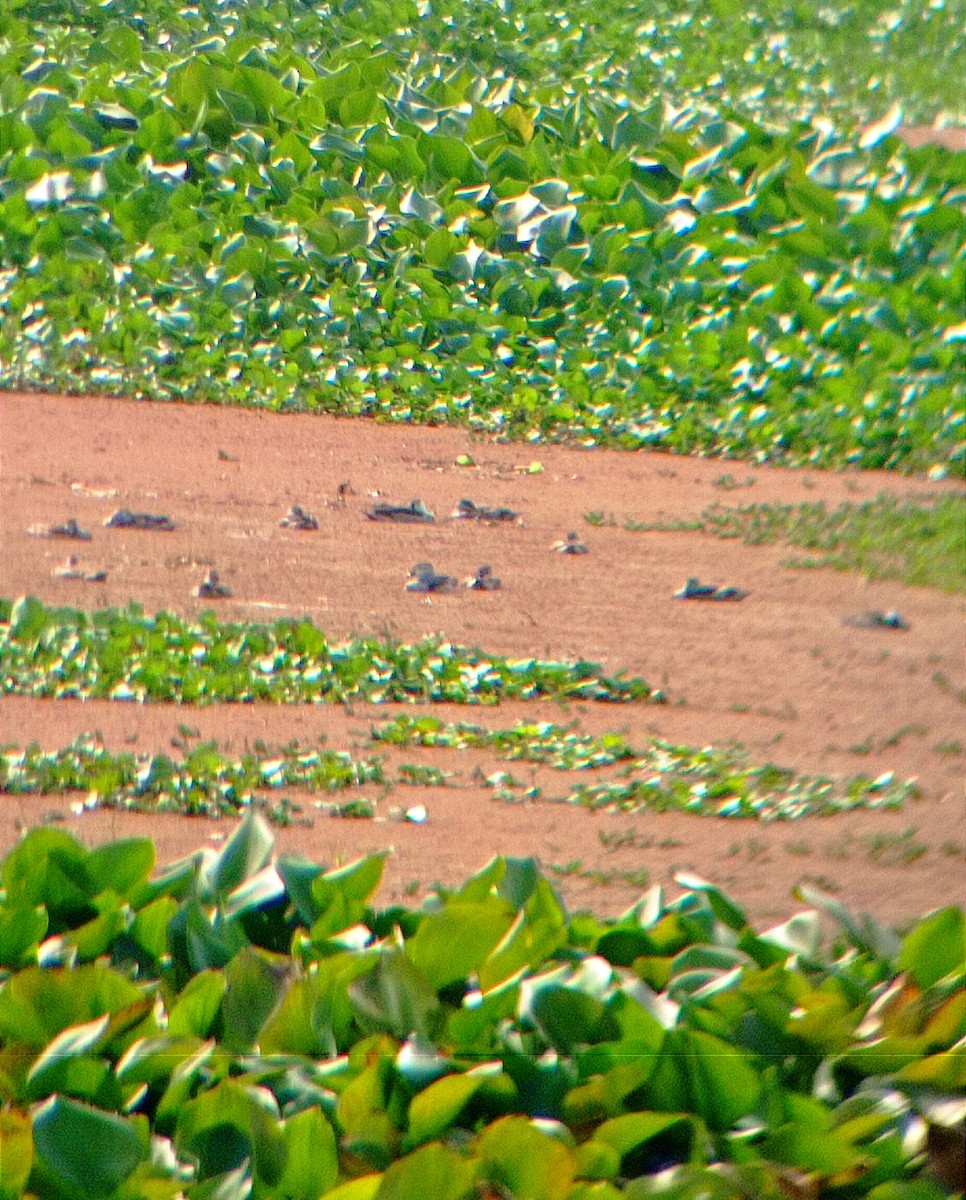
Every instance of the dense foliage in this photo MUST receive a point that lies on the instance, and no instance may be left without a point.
(125, 655)
(594, 223)
(240, 1025)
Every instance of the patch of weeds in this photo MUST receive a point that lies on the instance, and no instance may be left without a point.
(411, 888)
(728, 483)
(419, 775)
(894, 849)
(862, 748)
(823, 882)
(952, 850)
(598, 519)
(954, 748)
(799, 849)
(918, 543)
(905, 731)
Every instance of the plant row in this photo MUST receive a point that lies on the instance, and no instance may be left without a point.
(218, 208)
(207, 781)
(124, 655)
(659, 775)
(245, 1025)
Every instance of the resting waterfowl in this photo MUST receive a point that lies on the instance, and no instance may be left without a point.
(466, 510)
(299, 518)
(415, 512)
(124, 518)
(483, 581)
(423, 578)
(877, 620)
(570, 545)
(71, 569)
(211, 587)
(694, 589)
(67, 529)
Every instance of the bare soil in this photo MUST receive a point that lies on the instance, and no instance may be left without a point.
(778, 673)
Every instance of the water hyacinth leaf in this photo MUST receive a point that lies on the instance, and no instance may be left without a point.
(243, 855)
(49, 867)
(515, 1155)
(121, 865)
(311, 1158)
(935, 948)
(451, 944)
(196, 1008)
(432, 1172)
(434, 1109)
(396, 997)
(16, 1153)
(89, 1151)
(253, 987)
(22, 929)
(229, 1124)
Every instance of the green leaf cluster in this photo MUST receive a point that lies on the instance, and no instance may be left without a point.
(382, 210)
(253, 1025)
(122, 654)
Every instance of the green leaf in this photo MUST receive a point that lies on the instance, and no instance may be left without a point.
(243, 855)
(434, 1109)
(449, 945)
(87, 1149)
(311, 1161)
(22, 928)
(433, 1172)
(936, 947)
(16, 1153)
(517, 1156)
(253, 988)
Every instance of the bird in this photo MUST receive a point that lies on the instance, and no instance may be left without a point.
(67, 529)
(877, 620)
(423, 578)
(415, 512)
(694, 589)
(71, 569)
(570, 545)
(466, 510)
(483, 581)
(211, 587)
(299, 518)
(124, 518)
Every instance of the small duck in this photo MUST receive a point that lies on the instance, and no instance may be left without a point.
(415, 512)
(211, 587)
(71, 569)
(483, 581)
(67, 529)
(466, 510)
(570, 545)
(694, 589)
(299, 518)
(877, 620)
(124, 518)
(423, 578)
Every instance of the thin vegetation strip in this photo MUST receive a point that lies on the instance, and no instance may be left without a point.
(504, 220)
(245, 1023)
(919, 543)
(715, 782)
(122, 654)
(207, 781)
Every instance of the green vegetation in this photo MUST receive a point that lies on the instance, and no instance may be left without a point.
(917, 542)
(706, 782)
(125, 655)
(240, 1024)
(496, 215)
(709, 781)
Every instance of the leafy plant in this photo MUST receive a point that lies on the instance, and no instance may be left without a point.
(125, 655)
(496, 219)
(254, 1024)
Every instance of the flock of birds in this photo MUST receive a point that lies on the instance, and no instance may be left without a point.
(422, 577)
